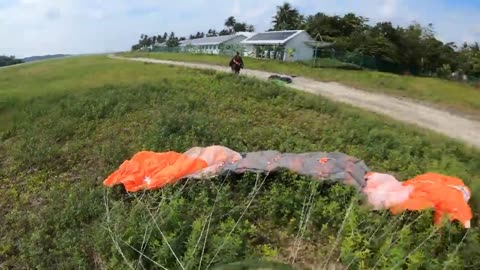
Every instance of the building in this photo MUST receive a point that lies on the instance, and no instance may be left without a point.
(289, 45)
(213, 45)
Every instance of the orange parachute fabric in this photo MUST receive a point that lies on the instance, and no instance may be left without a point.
(446, 194)
(150, 170)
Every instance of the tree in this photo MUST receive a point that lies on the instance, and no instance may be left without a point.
(240, 27)
(350, 23)
(469, 59)
(212, 33)
(9, 60)
(225, 32)
(287, 18)
(230, 22)
(232, 26)
(172, 40)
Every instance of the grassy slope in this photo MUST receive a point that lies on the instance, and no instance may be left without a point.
(62, 145)
(453, 96)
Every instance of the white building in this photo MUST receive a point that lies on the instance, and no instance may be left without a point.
(289, 45)
(212, 45)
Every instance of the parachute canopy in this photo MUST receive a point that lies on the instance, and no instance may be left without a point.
(447, 195)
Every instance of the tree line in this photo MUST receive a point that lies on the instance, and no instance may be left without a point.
(9, 60)
(231, 24)
(413, 48)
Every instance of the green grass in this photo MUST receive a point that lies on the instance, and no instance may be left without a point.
(457, 97)
(78, 119)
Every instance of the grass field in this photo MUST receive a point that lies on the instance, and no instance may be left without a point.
(456, 97)
(71, 122)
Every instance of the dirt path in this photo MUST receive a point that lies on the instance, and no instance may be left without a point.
(454, 126)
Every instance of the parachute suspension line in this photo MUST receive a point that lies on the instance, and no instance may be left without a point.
(210, 220)
(300, 227)
(153, 220)
(112, 235)
(145, 238)
(379, 226)
(163, 236)
(305, 216)
(393, 235)
(243, 203)
(198, 241)
(369, 239)
(145, 256)
(456, 249)
(347, 213)
(392, 228)
(144, 244)
(415, 249)
(238, 220)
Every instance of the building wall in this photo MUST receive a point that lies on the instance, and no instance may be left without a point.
(302, 51)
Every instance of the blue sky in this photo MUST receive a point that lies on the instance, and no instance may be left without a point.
(34, 27)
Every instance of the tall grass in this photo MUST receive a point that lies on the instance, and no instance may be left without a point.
(59, 146)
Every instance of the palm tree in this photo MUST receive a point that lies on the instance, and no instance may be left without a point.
(287, 18)
(230, 22)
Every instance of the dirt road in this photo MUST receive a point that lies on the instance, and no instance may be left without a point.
(454, 126)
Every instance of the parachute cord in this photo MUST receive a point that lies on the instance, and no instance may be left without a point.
(143, 246)
(144, 241)
(415, 249)
(198, 241)
(163, 236)
(307, 208)
(115, 242)
(456, 249)
(145, 238)
(210, 220)
(145, 256)
(393, 234)
(378, 228)
(238, 221)
(338, 234)
(368, 242)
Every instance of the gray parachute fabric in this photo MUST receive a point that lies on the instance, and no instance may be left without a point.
(333, 166)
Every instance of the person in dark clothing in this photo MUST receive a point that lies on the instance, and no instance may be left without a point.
(236, 63)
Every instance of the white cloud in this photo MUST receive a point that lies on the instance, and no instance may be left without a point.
(389, 8)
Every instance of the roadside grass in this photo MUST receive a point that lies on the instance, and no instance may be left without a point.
(63, 140)
(456, 97)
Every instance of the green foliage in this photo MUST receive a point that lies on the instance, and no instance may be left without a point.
(444, 71)
(287, 18)
(9, 60)
(56, 214)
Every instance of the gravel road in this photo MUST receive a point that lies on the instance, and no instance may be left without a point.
(452, 125)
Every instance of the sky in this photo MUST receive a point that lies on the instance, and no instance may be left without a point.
(38, 27)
